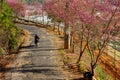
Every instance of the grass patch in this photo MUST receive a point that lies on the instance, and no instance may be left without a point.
(102, 75)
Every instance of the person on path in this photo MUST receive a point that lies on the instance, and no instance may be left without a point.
(36, 40)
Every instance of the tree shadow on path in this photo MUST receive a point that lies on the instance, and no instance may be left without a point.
(42, 70)
(43, 48)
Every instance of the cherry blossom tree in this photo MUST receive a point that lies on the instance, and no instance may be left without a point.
(38, 7)
(60, 10)
(97, 21)
(55, 10)
(104, 30)
(97, 30)
(17, 6)
(22, 8)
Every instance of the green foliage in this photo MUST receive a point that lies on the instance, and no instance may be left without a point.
(14, 38)
(62, 52)
(102, 75)
(5, 19)
(2, 51)
(81, 67)
(7, 25)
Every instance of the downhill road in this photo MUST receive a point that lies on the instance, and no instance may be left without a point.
(37, 63)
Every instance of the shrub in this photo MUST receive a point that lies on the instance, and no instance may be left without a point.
(10, 32)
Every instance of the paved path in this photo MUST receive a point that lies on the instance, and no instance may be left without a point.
(41, 63)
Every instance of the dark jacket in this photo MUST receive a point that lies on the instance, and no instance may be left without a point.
(36, 38)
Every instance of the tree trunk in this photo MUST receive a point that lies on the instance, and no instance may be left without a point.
(54, 26)
(72, 43)
(81, 53)
(66, 41)
(72, 46)
(65, 38)
(58, 28)
(89, 75)
(69, 40)
(47, 21)
(43, 16)
(92, 72)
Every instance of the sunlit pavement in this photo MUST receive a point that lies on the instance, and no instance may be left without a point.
(37, 63)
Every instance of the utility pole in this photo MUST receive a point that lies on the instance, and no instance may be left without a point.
(43, 12)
